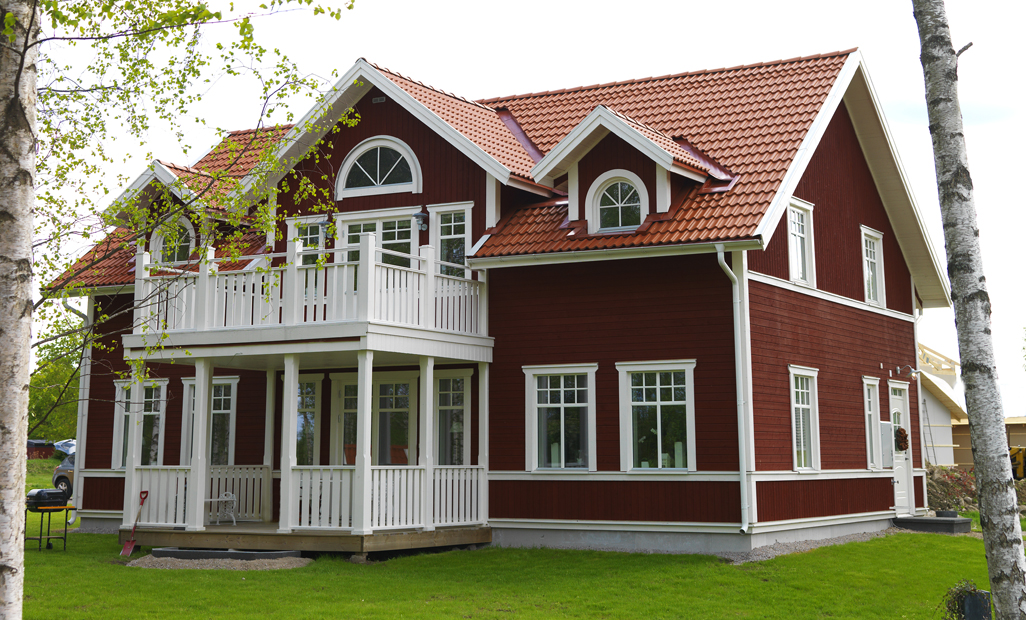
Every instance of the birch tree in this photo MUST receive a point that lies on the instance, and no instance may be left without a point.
(72, 73)
(1002, 535)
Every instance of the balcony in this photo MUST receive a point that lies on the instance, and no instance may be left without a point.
(280, 291)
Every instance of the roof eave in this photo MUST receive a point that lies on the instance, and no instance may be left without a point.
(582, 256)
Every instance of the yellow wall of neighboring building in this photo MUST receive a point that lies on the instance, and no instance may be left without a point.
(1015, 431)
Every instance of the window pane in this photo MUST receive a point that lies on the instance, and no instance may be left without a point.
(674, 436)
(349, 438)
(150, 440)
(645, 437)
(398, 433)
(575, 437)
(548, 433)
(609, 217)
(305, 421)
(450, 440)
(631, 216)
(401, 173)
(219, 438)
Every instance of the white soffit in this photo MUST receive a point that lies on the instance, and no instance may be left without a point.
(347, 91)
(588, 133)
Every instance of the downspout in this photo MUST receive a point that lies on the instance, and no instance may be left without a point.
(735, 288)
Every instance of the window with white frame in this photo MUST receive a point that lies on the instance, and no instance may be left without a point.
(452, 231)
(657, 415)
(221, 421)
(377, 166)
(804, 417)
(560, 404)
(310, 238)
(308, 405)
(801, 250)
(453, 417)
(393, 418)
(394, 233)
(174, 242)
(871, 394)
(872, 266)
(617, 201)
(151, 420)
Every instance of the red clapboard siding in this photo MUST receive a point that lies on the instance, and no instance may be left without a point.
(838, 182)
(707, 502)
(618, 311)
(918, 484)
(449, 176)
(845, 344)
(803, 499)
(610, 153)
(107, 361)
(103, 493)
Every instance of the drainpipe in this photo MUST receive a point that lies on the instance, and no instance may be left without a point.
(735, 288)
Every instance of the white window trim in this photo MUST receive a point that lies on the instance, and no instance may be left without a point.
(435, 212)
(797, 204)
(119, 411)
(907, 422)
(874, 449)
(188, 385)
(465, 374)
(157, 242)
(605, 179)
(881, 287)
(416, 186)
(805, 371)
(626, 428)
(531, 412)
(377, 216)
(341, 379)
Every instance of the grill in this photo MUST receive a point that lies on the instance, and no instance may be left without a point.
(45, 498)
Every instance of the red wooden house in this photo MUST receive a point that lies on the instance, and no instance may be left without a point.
(662, 314)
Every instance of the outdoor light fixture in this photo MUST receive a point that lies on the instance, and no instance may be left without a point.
(911, 371)
(422, 220)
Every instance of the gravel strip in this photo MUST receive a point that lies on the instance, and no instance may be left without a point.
(783, 548)
(148, 561)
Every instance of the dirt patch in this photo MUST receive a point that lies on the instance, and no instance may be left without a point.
(148, 561)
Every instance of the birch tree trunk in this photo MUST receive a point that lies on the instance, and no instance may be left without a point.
(1002, 536)
(17, 195)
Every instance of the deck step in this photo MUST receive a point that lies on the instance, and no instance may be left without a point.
(940, 525)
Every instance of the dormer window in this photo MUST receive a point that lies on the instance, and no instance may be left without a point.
(617, 201)
(174, 243)
(380, 165)
(619, 206)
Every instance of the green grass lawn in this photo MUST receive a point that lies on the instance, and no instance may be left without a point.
(902, 576)
(975, 516)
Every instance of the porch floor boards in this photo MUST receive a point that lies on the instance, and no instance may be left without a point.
(259, 536)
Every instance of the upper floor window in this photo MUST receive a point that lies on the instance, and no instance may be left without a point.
(617, 201)
(452, 232)
(872, 265)
(174, 242)
(310, 237)
(800, 242)
(379, 165)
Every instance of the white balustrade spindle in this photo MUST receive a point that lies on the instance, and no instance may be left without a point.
(165, 502)
(322, 497)
(396, 496)
(457, 495)
(248, 483)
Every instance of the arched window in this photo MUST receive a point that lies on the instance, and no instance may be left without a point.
(617, 201)
(174, 242)
(380, 165)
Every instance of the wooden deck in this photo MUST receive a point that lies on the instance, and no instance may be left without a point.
(265, 537)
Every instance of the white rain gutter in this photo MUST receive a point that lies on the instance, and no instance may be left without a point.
(735, 288)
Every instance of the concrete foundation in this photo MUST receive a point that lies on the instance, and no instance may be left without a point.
(99, 525)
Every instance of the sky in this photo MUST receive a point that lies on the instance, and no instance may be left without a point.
(486, 49)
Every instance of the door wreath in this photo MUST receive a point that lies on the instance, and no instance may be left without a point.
(901, 439)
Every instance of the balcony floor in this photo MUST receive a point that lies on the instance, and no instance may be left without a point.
(260, 536)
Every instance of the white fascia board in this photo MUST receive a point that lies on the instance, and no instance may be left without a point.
(346, 92)
(585, 256)
(578, 142)
(807, 149)
(895, 190)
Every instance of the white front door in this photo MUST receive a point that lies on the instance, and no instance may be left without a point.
(903, 495)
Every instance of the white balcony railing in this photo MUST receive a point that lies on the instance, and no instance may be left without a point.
(457, 495)
(322, 497)
(392, 287)
(396, 496)
(251, 486)
(165, 498)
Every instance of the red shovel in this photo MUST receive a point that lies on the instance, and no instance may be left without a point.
(130, 544)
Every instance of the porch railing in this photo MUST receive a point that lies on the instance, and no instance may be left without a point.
(393, 287)
(251, 485)
(457, 495)
(396, 496)
(165, 501)
(322, 497)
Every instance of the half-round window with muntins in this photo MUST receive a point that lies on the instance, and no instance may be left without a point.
(379, 166)
(619, 206)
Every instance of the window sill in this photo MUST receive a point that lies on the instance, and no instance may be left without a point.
(561, 471)
(377, 190)
(807, 472)
(616, 231)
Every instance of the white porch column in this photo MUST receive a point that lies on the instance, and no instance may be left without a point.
(292, 313)
(289, 413)
(427, 435)
(199, 481)
(362, 485)
(482, 427)
(134, 456)
(143, 306)
(267, 483)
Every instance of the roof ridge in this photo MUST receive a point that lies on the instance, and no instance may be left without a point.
(432, 88)
(666, 77)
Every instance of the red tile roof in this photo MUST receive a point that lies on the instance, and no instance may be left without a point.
(751, 119)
